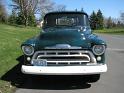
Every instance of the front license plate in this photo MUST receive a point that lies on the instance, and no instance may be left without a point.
(41, 62)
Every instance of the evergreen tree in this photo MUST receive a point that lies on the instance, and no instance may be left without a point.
(100, 20)
(20, 19)
(82, 9)
(76, 10)
(97, 20)
(31, 20)
(119, 24)
(12, 18)
(93, 20)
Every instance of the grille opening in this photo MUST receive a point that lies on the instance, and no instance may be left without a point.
(50, 53)
(63, 53)
(74, 63)
(64, 63)
(83, 63)
(74, 53)
(64, 58)
(49, 63)
(41, 54)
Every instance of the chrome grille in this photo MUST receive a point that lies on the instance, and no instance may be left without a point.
(65, 58)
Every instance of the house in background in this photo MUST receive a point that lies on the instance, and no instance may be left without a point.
(39, 23)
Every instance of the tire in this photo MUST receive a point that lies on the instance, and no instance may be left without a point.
(93, 78)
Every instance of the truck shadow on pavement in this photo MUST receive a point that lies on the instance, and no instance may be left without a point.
(20, 80)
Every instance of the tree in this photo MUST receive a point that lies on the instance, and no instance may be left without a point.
(122, 17)
(3, 15)
(12, 18)
(25, 8)
(60, 8)
(109, 22)
(76, 10)
(97, 20)
(20, 19)
(45, 6)
(31, 20)
(100, 19)
(28, 8)
(82, 9)
(93, 20)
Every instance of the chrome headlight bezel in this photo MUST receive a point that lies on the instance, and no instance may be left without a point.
(100, 52)
(28, 50)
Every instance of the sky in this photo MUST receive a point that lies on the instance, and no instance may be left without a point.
(111, 8)
(108, 7)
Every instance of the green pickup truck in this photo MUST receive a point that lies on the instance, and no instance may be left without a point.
(66, 46)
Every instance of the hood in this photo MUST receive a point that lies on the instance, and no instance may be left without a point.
(72, 38)
(67, 38)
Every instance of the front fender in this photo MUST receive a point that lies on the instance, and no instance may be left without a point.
(96, 40)
(30, 42)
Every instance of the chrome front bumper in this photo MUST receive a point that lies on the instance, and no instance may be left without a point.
(64, 70)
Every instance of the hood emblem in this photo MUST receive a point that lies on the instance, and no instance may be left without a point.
(63, 46)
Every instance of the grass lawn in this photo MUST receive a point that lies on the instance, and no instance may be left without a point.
(116, 31)
(11, 38)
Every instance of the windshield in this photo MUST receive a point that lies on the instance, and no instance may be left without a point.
(52, 20)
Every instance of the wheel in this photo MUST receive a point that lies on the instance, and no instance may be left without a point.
(93, 78)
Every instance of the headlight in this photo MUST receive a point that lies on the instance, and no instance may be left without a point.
(28, 50)
(98, 49)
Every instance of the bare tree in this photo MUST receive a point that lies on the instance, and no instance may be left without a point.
(25, 8)
(60, 8)
(108, 23)
(122, 17)
(45, 6)
(28, 7)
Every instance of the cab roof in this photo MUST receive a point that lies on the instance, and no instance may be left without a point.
(66, 12)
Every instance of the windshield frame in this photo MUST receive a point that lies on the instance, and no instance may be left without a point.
(80, 15)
